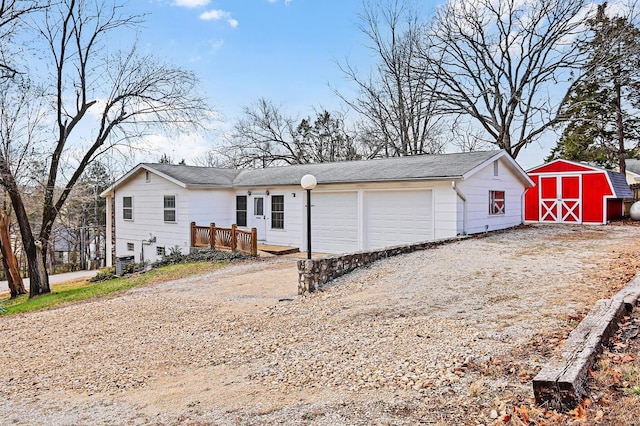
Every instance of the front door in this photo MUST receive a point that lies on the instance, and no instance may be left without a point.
(259, 219)
(560, 199)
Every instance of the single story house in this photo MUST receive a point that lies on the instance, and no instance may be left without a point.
(357, 205)
(569, 192)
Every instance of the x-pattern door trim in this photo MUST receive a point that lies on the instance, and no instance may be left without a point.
(560, 208)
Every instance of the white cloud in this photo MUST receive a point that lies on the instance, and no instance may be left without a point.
(286, 2)
(191, 3)
(185, 146)
(217, 14)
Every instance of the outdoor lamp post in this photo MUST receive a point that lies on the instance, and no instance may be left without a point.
(308, 182)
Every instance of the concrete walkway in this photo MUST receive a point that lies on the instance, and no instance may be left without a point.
(53, 279)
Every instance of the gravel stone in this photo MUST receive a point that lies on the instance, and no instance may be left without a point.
(408, 339)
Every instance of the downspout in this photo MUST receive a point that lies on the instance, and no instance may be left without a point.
(464, 206)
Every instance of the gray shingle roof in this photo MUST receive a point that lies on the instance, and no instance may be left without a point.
(196, 176)
(620, 186)
(422, 167)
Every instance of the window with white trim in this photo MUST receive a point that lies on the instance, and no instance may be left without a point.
(496, 202)
(495, 168)
(169, 208)
(160, 251)
(130, 247)
(277, 211)
(127, 208)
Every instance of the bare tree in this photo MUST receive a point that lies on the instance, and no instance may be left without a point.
(399, 115)
(504, 64)
(266, 137)
(12, 13)
(122, 96)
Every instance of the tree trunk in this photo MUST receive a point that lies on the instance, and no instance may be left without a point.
(38, 278)
(622, 154)
(10, 263)
(39, 274)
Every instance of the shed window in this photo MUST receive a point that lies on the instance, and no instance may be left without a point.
(496, 202)
(241, 210)
(277, 212)
(127, 208)
(160, 251)
(169, 208)
(495, 168)
(130, 247)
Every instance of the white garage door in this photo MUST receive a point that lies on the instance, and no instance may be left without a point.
(397, 217)
(334, 222)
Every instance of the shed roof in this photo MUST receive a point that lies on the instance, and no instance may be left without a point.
(421, 167)
(619, 185)
(618, 181)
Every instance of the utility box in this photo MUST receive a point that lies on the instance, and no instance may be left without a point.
(122, 262)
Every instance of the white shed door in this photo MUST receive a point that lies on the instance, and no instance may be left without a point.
(397, 217)
(334, 222)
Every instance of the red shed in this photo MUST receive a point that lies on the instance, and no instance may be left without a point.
(568, 192)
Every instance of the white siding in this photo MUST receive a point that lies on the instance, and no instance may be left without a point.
(445, 214)
(212, 206)
(292, 234)
(476, 189)
(148, 217)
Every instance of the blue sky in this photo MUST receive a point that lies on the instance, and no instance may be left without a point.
(284, 51)
(243, 50)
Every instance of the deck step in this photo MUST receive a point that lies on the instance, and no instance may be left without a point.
(278, 250)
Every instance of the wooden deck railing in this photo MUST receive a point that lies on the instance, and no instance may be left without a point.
(229, 238)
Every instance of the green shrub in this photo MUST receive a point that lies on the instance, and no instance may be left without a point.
(104, 274)
(202, 255)
(133, 267)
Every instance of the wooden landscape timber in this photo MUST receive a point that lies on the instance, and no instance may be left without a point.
(560, 384)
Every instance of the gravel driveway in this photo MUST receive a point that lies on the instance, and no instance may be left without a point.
(441, 336)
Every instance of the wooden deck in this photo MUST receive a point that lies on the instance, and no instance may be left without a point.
(277, 250)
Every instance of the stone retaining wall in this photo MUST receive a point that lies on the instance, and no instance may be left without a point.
(314, 273)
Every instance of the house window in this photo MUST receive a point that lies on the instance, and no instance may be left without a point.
(127, 208)
(495, 168)
(496, 202)
(146, 176)
(169, 208)
(241, 210)
(130, 247)
(160, 251)
(277, 212)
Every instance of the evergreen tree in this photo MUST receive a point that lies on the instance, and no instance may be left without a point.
(600, 111)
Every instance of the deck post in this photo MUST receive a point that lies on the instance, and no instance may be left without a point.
(254, 241)
(212, 235)
(193, 234)
(234, 242)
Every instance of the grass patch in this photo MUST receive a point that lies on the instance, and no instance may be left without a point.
(79, 290)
